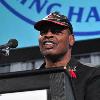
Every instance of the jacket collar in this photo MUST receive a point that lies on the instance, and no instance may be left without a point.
(72, 63)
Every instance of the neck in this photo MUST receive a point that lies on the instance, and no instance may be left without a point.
(58, 61)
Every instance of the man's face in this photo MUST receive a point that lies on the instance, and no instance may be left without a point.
(54, 40)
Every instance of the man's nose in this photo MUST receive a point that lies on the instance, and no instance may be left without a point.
(49, 34)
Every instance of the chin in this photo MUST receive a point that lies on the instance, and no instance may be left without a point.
(49, 53)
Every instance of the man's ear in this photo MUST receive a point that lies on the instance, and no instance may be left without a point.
(71, 40)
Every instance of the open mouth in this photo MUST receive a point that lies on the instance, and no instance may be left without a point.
(49, 44)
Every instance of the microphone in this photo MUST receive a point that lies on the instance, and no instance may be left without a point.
(12, 43)
(4, 49)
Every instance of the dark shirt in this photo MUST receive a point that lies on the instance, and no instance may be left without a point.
(87, 84)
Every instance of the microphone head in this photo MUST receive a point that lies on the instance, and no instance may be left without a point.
(12, 43)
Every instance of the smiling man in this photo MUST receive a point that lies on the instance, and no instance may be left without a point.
(56, 41)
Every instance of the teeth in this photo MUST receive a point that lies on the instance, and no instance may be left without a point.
(49, 42)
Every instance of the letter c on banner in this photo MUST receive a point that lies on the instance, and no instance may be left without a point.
(51, 6)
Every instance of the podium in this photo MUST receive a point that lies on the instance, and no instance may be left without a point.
(56, 81)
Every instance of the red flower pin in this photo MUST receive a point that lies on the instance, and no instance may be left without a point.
(71, 72)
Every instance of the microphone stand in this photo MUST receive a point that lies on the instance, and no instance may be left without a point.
(5, 51)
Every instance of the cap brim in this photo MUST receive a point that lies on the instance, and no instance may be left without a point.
(40, 24)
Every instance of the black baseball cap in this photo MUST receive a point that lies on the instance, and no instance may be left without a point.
(54, 18)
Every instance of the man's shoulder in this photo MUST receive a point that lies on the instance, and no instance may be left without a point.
(87, 77)
(87, 70)
(83, 71)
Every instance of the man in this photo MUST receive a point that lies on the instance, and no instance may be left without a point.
(56, 41)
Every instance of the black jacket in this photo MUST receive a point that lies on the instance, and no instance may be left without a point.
(87, 84)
